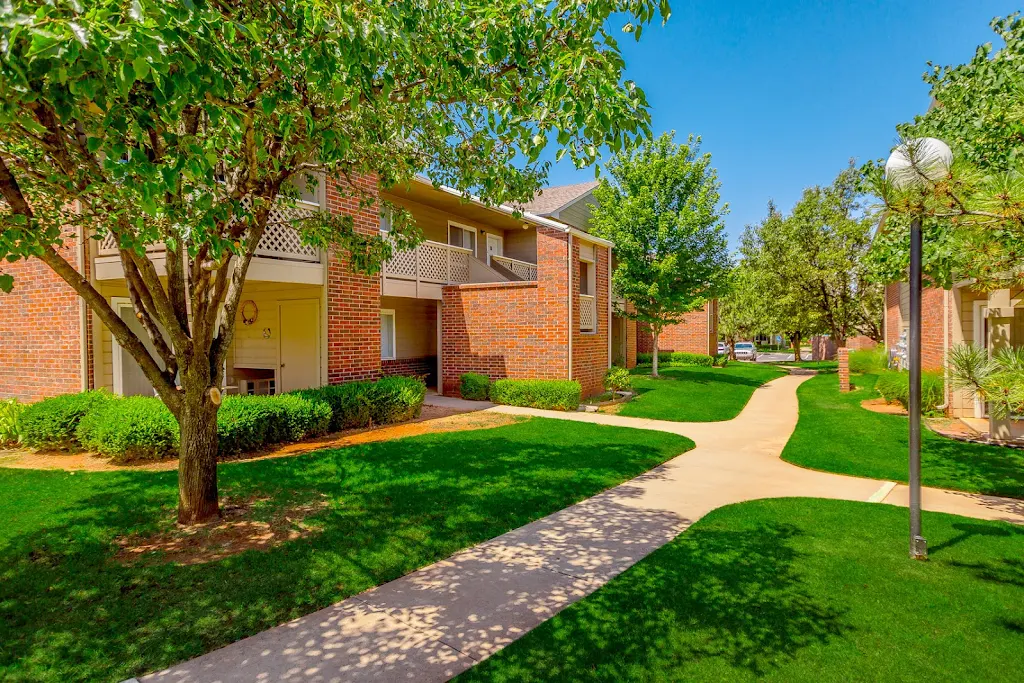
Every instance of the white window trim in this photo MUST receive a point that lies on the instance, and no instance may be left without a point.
(116, 302)
(394, 333)
(463, 226)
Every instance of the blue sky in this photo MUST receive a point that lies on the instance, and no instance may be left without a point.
(785, 92)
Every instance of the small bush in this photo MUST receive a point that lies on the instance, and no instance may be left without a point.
(895, 387)
(396, 399)
(349, 404)
(474, 386)
(552, 394)
(10, 421)
(617, 379)
(675, 358)
(51, 423)
(721, 360)
(869, 360)
(132, 428)
(249, 423)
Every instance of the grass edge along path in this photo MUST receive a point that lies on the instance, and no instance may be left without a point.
(793, 590)
(69, 611)
(835, 434)
(687, 393)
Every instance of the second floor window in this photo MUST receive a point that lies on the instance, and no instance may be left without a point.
(462, 237)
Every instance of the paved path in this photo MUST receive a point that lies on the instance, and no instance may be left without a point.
(442, 619)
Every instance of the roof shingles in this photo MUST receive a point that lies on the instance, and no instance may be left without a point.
(550, 199)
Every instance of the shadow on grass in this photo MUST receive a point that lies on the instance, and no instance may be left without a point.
(69, 611)
(711, 594)
(706, 377)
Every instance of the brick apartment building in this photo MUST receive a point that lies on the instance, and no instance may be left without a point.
(487, 291)
(697, 333)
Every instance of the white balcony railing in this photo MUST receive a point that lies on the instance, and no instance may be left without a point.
(522, 269)
(432, 262)
(588, 313)
(280, 239)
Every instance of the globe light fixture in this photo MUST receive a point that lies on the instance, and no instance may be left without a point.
(914, 165)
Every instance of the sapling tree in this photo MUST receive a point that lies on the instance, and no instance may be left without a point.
(185, 123)
(661, 206)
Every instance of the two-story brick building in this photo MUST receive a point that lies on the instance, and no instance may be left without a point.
(490, 289)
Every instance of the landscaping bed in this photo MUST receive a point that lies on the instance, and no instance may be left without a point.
(696, 393)
(793, 590)
(835, 434)
(72, 608)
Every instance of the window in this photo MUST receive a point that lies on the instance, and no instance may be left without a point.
(585, 278)
(387, 334)
(385, 220)
(462, 236)
(308, 186)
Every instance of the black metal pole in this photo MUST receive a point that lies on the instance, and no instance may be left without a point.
(918, 546)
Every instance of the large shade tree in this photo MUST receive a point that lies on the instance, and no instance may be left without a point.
(662, 208)
(184, 123)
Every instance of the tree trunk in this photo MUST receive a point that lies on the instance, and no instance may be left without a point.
(654, 361)
(796, 347)
(197, 464)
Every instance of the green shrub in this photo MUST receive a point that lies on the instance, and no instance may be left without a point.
(249, 423)
(51, 423)
(894, 387)
(131, 428)
(555, 394)
(721, 360)
(396, 399)
(617, 379)
(675, 358)
(869, 360)
(10, 421)
(349, 403)
(474, 386)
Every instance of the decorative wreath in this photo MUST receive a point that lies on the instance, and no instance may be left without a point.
(249, 312)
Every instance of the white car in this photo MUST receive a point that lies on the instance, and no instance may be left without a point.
(723, 348)
(746, 351)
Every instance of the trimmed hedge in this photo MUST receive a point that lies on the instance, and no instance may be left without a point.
(132, 428)
(396, 399)
(721, 360)
(676, 358)
(474, 386)
(552, 394)
(617, 379)
(894, 387)
(51, 423)
(349, 404)
(249, 423)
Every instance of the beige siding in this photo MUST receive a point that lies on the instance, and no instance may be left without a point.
(433, 223)
(521, 244)
(578, 214)
(415, 325)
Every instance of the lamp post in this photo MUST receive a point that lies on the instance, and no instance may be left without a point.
(913, 165)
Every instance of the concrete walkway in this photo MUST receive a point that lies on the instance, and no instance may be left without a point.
(438, 621)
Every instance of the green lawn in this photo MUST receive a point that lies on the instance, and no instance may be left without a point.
(794, 590)
(819, 365)
(70, 612)
(836, 434)
(696, 394)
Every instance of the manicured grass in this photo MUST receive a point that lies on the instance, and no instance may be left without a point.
(836, 434)
(794, 590)
(696, 394)
(819, 365)
(70, 612)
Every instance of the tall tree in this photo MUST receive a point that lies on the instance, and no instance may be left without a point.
(740, 313)
(184, 123)
(973, 216)
(662, 208)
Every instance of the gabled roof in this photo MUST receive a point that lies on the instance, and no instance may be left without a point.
(551, 200)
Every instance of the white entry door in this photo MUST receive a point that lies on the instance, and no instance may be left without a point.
(129, 380)
(299, 345)
(495, 247)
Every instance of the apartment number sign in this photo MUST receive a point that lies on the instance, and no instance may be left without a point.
(249, 312)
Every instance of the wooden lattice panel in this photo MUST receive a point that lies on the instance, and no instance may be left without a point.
(588, 313)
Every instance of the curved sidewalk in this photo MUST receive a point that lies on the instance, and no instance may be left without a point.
(440, 620)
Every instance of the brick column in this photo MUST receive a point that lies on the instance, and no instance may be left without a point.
(843, 354)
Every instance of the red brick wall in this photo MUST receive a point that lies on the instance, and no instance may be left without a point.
(353, 299)
(692, 335)
(934, 328)
(892, 315)
(424, 365)
(40, 344)
(630, 343)
(509, 329)
(590, 350)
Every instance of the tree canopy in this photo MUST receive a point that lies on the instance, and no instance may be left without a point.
(184, 123)
(662, 208)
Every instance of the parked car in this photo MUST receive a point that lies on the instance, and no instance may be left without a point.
(723, 348)
(746, 351)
